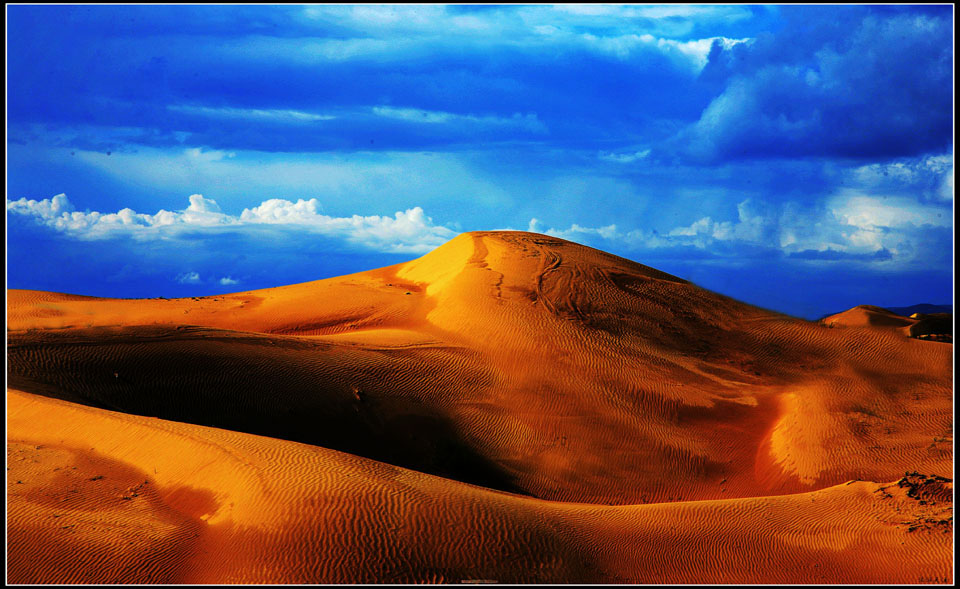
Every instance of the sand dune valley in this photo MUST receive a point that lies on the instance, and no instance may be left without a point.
(509, 407)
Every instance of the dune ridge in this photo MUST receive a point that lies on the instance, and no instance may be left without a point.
(930, 326)
(266, 510)
(567, 377)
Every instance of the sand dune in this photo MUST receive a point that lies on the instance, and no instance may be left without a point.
(575, 380)
(868, 315)
(147, 500)
(932, 326)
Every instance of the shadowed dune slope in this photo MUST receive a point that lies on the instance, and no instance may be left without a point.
(518, 362)
(99, 496)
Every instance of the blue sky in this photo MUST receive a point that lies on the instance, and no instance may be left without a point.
(795, 157)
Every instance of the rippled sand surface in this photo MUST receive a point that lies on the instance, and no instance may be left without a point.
(508, 407)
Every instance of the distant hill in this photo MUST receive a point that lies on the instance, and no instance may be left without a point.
(920, 325)
(925, 308)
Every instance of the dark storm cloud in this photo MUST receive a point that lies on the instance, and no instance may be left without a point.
(840, 81)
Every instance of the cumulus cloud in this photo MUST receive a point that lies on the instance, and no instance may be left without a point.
(851, 226)
(751, 227)
(407, 231)
(58, 213)
(692, 54)
(227, 281)
(410, 231)
(861, 210)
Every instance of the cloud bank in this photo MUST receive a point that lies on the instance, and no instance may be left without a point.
(410, 231)
(852, 227)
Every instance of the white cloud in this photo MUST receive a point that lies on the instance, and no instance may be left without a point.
(865, 211)
(858, 223)
(693, 53)
(635, 238)
(46, 208)
(58, 213)
(624, 16)
(930, 176)
(395, 32)
(227, 281)
(624, 158)
(415, 115)
(576, 231)
(751, 227)
(851, 226)
(703, 226)
(410, 231)
(277, 115)
(945, 191)
(698, 50)
(529, 121)
(189, 278)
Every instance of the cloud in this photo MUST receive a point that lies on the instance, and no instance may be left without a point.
(527, 122)
(58, 213)
(624, 158)
(691, 54)
(575, 231)
(519, 24)
(651, 126)
(252, 114)
(850, 83)
(836, 255)
(227, 281)
(751, 226)
(928, 177)
(189, 278)
(373, 180)
(857, 209)
(326, 68)
(851, 226)
(410, 231)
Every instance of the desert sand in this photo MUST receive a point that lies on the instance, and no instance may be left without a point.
(511, 407)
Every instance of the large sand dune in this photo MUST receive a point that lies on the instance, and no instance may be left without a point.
(620, 424)
(194, 504)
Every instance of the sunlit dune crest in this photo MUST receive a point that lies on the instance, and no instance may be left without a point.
(934, 326)
(510, 407)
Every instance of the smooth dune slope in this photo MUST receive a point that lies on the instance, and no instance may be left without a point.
(106, 497)
(930, 326)
(867, 315)
(519, 362)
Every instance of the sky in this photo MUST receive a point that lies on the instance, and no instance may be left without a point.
(799, 158)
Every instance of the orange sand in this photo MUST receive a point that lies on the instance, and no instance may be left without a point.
(576, 380)
(98, 496)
